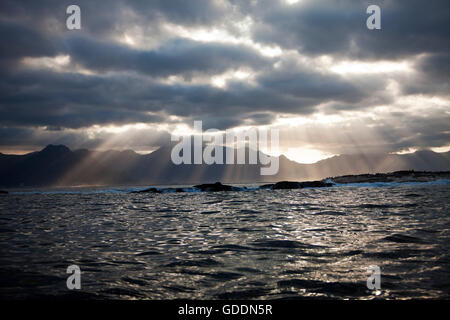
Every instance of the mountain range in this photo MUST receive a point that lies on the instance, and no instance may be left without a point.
(57, 165)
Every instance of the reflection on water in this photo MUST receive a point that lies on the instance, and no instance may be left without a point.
(234, 245)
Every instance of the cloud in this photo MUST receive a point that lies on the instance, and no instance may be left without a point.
(177, 57)
(364, 134)
(143, 139)
(137, 62)
(73, 100)
(316, 27)
(21, 41)
(432, 77)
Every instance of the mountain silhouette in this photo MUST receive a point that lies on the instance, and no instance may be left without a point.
(57, 165)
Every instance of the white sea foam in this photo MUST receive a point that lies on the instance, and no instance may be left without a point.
(125, 190)
(389, 184)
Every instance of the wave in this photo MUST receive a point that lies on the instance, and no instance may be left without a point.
(390, 184)
(328, 183)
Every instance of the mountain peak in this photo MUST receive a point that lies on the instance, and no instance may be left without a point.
(51, 148)
(58, 165)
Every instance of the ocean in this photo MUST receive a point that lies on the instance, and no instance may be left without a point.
(314, 243)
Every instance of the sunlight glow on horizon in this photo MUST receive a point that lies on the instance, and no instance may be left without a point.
(306, 155)
(291, 2)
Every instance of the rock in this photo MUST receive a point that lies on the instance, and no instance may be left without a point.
(286, 185)
(214, 187)
(296, 185)
(217, 187)
(397, 176)
(149, 190)
(315, 184)
(3, 192)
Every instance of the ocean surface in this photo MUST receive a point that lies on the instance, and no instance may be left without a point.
(258, 244)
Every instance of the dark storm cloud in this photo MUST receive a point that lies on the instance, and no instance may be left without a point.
(436, 66)
(19, 41)
(43, 33)
(432, 78)
(71, 100)
(128, 83)
(302, 82)
(339, 28)
(104, 17)
(174, 58)
(179, 11)
(34, 138)
(418, 132)
(402, 132)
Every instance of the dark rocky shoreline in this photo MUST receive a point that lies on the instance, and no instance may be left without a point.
(397, 176)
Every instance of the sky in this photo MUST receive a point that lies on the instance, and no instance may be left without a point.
(138, 71)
